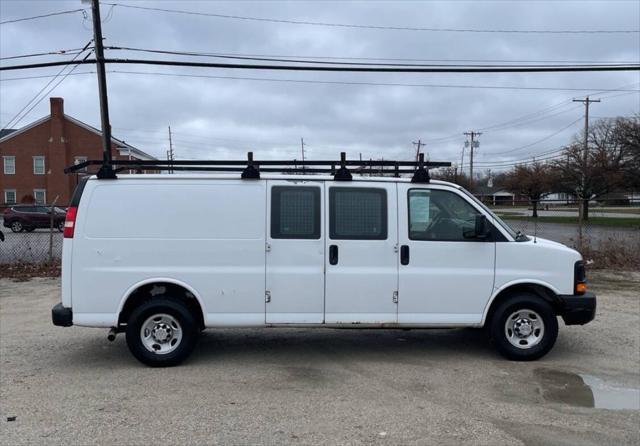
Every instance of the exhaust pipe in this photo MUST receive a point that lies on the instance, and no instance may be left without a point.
(111, 336)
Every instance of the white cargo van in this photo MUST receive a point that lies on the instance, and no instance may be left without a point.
(162, 257)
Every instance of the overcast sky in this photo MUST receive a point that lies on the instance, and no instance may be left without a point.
(224, 118)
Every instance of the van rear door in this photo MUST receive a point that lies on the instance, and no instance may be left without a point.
(295, 252)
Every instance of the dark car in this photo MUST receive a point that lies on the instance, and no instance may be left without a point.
(27, 217)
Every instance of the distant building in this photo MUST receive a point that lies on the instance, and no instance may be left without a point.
(34, 157)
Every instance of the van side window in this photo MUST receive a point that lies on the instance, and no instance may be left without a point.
(295, 212)
(357, 213)
(439, 215)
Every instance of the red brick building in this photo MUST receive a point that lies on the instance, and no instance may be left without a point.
(33, 158)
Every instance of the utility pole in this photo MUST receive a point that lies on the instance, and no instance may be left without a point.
(106, 171)
(170, 153)
(418, 145)
(302, 149)
(472, 145)
(582, 208)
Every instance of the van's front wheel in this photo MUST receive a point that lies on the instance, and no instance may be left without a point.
(161, 332)
(524, 327)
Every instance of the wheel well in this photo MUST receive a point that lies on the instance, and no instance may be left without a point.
(156, 290)
(540, 290)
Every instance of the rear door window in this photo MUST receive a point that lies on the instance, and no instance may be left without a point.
(357, 213)
(295, 212)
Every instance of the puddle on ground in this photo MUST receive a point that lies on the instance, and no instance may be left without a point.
(586, 391)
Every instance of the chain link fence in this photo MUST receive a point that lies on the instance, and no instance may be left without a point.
(612, 226)
(32, 233)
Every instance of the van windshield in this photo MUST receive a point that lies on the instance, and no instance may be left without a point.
(517, 235)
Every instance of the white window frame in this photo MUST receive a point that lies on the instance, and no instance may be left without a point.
(44, 168)
(5, 170)
(15, 196)
(44, 196)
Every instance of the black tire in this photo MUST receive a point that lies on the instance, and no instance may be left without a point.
(17, 226)
(177, 310)
(499, 332)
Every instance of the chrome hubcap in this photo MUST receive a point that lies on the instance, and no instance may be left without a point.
(161, 334)
(524, 329)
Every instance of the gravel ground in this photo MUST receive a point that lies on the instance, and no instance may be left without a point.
(302, 386)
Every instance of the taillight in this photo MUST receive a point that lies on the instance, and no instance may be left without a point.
(70, 222)
(579, 278)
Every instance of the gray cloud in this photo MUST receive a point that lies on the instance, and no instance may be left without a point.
(225, 117)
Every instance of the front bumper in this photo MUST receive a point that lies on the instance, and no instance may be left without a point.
(578, 309)
(62, 316)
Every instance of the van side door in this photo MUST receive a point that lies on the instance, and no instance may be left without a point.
(445, 275)
(361, 257)
(295, 252)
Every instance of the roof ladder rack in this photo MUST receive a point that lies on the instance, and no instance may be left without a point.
(343, 173)
(421, 174)
(251, 169)
(250, 172)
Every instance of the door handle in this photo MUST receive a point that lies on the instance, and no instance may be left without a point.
(333, 254)
(404, 254)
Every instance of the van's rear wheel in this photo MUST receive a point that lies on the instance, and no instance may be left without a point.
(524, 327)
(161, 332)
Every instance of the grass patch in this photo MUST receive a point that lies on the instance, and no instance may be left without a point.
(618, 222)
(22, 271)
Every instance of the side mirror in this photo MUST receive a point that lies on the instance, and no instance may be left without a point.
(480, 229)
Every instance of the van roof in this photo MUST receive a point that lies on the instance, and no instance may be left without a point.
(209, 176)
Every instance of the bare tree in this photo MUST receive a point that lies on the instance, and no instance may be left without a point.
(607, 162)
(535, 181)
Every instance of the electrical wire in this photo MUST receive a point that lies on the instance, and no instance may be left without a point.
(316, 61)
(379, 27)
(35, 101)
(355, 69)
(50, 53)
(70, 11)
(538, 141)
(512, 61)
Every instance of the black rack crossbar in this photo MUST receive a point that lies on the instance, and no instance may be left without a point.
(250, 168)
(198, 164)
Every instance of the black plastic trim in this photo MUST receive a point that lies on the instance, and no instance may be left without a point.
(77, 192)
(578, 309)
(62, 316)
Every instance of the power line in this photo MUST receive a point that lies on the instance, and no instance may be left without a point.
(50, 53)
(316, 61)
(17, 118)
(379, 27)
(70, 11)
(396, 59)
(538, 141)
(358, 69)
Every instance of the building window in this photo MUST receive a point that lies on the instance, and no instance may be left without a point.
(357, 213)
(38, 165)
(295, 212)
(40, 195)
(79, 160)
(9, 196)
(9, 165)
